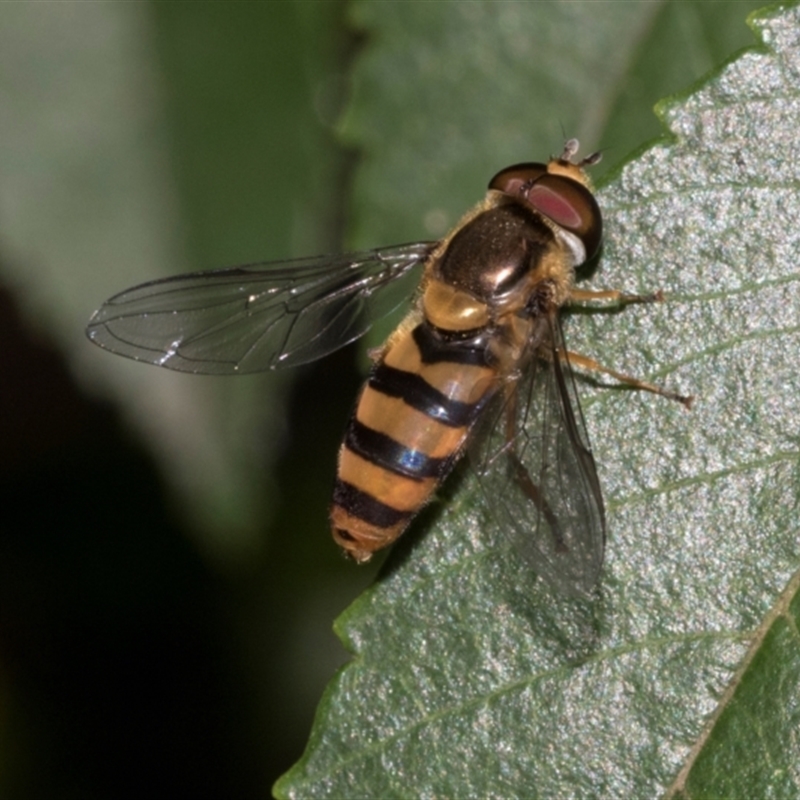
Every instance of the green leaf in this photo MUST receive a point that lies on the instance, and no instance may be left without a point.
(471, 678)
(741, 746)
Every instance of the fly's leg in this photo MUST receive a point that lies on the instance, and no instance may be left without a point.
(614, 296)
(621, 298)
(589, 364)
(522, 476)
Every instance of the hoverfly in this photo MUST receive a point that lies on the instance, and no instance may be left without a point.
(478, 364)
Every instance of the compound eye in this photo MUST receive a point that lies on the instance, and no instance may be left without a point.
(569, 205)
(512, 180)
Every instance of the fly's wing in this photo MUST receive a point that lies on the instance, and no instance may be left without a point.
(259, 316)
(535, 465)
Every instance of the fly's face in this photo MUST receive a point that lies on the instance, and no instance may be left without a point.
(560, 192)
(479, 365)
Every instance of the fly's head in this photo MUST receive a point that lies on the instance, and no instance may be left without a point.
(560, 192)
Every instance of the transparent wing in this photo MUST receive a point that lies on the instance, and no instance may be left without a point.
(259, 316)
(535, 465)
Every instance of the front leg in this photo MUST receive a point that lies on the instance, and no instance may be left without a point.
(583, 362)
(614, 296)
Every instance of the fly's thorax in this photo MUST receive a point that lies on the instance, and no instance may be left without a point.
(513, 341)
(449, 308)
(552, 280)
(494, 254)
(494, 265)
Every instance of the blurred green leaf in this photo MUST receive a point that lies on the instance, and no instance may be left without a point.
(148, 139)
(140, 140)
(471, 678)
(445, 94)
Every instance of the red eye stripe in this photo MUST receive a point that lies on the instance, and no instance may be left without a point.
(554, 205)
